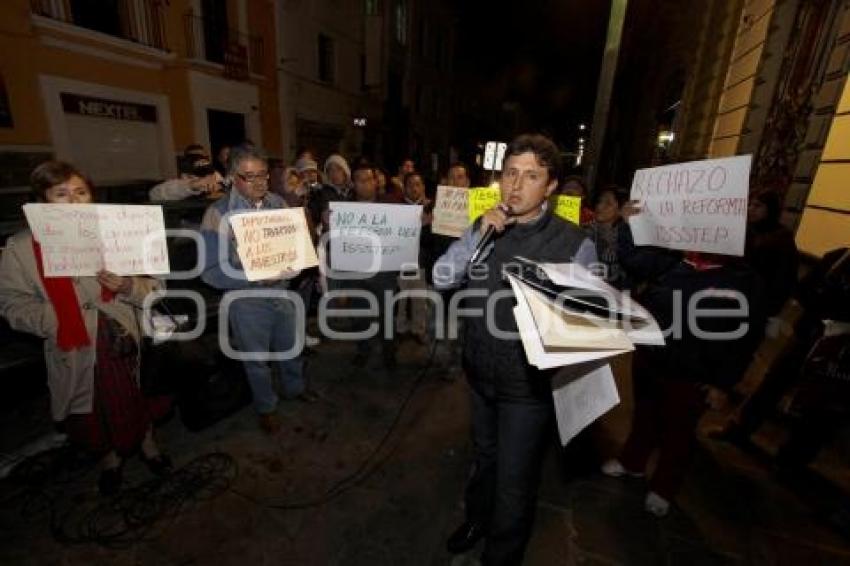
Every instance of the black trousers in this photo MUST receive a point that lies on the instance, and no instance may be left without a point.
(509, 439)
(377, 285)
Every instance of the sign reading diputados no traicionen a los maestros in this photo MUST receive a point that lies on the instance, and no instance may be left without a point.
(451, 211)
(696, 206)
(78, 240)
(273, 243)
(368, 237)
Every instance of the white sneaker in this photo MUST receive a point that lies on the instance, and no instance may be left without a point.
(656, 504)
(614, 468)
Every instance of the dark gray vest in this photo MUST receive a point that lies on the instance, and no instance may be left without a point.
(499, 367)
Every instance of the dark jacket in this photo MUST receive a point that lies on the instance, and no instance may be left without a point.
(825, 290)
(497, 367)
(320, 199)
(642, 264)
(773, 254)
(688, 355)
(606, 238)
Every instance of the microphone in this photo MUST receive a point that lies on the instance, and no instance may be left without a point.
(488, 236)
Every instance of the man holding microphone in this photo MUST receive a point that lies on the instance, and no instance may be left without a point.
(512, 406)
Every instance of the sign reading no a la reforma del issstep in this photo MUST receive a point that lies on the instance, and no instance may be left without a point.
(368, 237)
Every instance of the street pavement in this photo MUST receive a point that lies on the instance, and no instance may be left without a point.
(335, 487)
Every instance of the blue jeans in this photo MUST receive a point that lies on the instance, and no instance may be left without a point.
(509, 439)
(268, 325)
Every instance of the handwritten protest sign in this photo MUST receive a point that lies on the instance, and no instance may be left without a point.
(368, 237)
(697, 206)
(482, 199)
(272, 243)
(567, 207)
(451, 211)
(82, 239)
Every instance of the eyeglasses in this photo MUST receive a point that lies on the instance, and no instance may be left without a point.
(254, 178)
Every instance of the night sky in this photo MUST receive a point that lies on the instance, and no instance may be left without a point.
(543, 55)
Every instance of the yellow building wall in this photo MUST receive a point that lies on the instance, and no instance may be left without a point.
(18, 72)
(825, 224)
(735, 101)
(24, 56)
(844, 104)
(29, 121)
(261, 21)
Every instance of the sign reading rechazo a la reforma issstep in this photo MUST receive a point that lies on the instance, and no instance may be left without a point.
(695, 206)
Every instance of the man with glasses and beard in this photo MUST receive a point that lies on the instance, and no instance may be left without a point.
(263, 323)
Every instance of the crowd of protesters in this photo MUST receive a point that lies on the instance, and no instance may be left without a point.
(92, 331)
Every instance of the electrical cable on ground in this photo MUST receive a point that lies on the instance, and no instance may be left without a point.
(50, 484)
(362, 473)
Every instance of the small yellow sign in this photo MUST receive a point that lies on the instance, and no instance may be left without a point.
(482, 199)
(567, 207)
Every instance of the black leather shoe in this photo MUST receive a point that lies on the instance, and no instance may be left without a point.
(465, 537)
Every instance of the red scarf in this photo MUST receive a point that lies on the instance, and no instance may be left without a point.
(701, 261)
(72, 333)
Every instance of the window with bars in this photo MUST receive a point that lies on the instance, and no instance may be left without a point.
(139, 21)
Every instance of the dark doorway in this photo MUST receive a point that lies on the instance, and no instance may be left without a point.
(396, 118)
(215, 29)
(226, 128)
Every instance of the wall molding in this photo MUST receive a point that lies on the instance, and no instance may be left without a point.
(84, 49)
(111, 40)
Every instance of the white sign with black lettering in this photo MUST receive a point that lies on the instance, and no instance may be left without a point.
(696, 206)
(369, 237)
(78, 240)
(273, 244)
(451, 211)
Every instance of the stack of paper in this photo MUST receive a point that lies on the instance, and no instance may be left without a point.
(567, 318)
